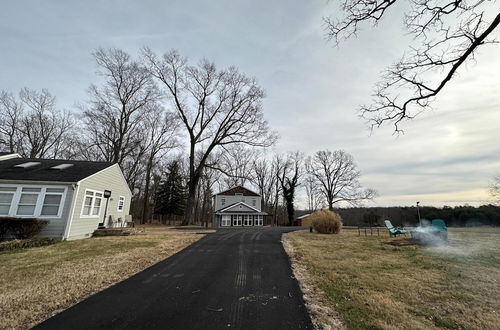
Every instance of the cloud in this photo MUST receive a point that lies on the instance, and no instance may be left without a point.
(313, 88)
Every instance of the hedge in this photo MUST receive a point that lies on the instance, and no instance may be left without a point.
(21, 228)
(27, 243)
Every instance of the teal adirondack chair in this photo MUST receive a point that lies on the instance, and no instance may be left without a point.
(394, 231)
(438, 226)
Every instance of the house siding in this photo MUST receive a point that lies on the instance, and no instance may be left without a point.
(56, 226)
(232, 199)
(111, 179)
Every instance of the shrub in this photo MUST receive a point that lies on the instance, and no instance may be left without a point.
(27, 243)
(22, 228)
(326, 222)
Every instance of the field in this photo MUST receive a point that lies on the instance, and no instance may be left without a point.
(39, 282)
(366, 284)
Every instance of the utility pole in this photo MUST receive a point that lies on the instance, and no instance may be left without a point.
(418, 212)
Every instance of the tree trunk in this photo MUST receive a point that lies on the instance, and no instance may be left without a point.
(146, 190)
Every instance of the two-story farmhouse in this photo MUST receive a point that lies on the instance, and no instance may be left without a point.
(76, 197)
(238, 207)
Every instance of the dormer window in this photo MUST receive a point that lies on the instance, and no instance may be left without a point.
(27, 165)
(222, 201)
(254, 202)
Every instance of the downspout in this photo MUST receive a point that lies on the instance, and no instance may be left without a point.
(72, 210)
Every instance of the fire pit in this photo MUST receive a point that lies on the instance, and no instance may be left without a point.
(430, 237)
(435, 233)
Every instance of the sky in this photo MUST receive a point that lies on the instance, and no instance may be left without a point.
(446, 156)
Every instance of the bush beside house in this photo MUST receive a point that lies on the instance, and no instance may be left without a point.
(21, 228)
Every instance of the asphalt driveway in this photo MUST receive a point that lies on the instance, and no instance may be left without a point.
(232, 279)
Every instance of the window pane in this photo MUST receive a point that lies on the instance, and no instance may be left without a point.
(89, 193)
(4, 209)
(98, 194)
(28, 199)
(52, 199)
(6, 198)
(8, 188)
(50, 210)
(25, 209)
(32, 189)
(88, 201)
(86, 210)
(59, 190)
(97, 202)
(97, 206)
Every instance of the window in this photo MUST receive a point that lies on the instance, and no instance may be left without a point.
(92, 203)
(247, 220)
(28, 201)
(52, 201)
(121, 203)
(6, 196)
(222, 201)
(32, 201)
(28, 164)
(226, 221)
(258, 220)
(237, 220)
(61, 166)
(254, 202)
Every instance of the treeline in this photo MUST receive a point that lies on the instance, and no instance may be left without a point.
(180, 133)
(460, 216)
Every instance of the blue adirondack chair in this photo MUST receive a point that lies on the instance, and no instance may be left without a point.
(394, 231)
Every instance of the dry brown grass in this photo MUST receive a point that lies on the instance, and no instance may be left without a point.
(39, 282)
(372, 285)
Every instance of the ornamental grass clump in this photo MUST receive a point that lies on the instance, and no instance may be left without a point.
(326, 222)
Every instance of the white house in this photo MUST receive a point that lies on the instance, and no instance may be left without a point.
(238, 207)
(76, 197)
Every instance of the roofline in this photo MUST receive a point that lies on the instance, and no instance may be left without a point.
(10, 156)
(235, 204)
(37, 181)
(220, 193)
(119, 170)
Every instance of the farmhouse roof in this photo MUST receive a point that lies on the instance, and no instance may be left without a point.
(238, 190)
(58, 170)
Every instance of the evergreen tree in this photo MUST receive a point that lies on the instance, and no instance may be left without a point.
(170, 198)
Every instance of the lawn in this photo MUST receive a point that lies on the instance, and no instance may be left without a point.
(367, 284)
(39, 282)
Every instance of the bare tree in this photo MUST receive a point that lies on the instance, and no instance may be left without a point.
(217, 108)
(315, 196)
(115, 112)
(161, 137)
(32, 125)
(495, 188)
(263, 175)
(338, 177)
(235, 163)
(447, 34)
(11, 112)
(289, 177)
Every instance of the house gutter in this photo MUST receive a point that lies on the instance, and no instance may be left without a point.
(67, 230)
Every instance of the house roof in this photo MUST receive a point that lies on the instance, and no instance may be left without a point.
(236, 204)
(43, 172)
(238, 190)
